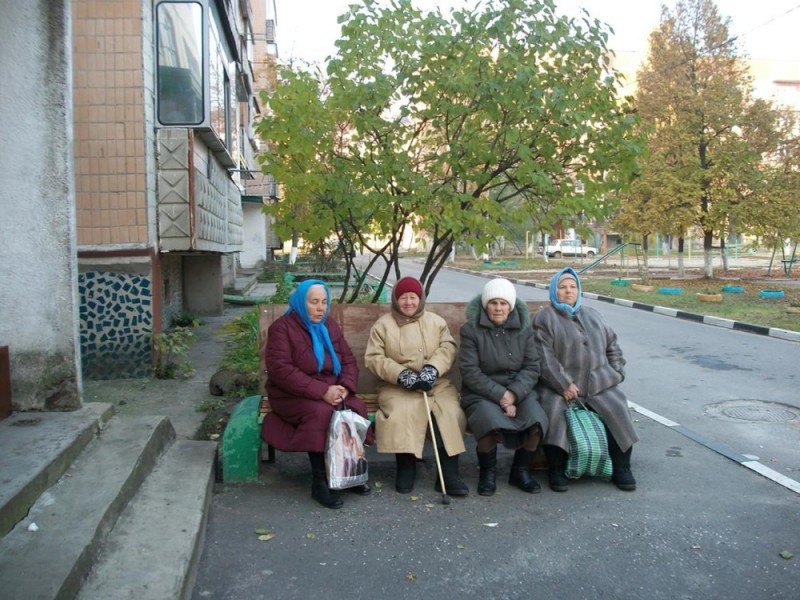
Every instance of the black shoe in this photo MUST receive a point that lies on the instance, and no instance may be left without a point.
(622, 476)
(406, 472)
(556, 466)
(520, 475)
(487, 480)
(454, 484)
(319, 483)
(623, 479)
(324, 495)
(557, 480)
(361, 490)
(522, 478)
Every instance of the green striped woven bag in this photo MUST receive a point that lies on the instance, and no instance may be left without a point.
(588, 444)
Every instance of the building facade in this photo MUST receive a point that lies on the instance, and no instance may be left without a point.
(38, 268)
(163, 104)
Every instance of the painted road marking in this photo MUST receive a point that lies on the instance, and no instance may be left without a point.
(744, 460)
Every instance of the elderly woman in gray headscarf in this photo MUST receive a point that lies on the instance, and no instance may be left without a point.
(581, 361)
(499, 367)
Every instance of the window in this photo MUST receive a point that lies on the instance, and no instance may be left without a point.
(180, 63)
(196, 68)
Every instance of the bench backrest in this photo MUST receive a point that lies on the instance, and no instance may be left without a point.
(356, 320)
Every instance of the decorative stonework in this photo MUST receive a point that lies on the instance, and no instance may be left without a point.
(116, 320)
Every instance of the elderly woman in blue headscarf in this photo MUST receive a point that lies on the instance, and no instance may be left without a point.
(581, 361)
(311, 371)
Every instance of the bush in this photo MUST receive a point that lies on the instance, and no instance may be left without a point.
(242, 351)
(169, 349)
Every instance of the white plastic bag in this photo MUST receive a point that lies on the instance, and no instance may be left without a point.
(345, 457)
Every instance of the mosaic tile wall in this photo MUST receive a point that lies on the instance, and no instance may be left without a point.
(116, 318)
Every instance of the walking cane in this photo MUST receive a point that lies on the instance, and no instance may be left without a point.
(445, 499)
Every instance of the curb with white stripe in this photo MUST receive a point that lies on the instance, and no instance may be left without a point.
(775, 332)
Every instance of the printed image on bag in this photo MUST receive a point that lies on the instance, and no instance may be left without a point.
(345, 457)
(588, 444)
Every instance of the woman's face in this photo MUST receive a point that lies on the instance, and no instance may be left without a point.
(498, 310)
(316, 303)
(408, 303)
(567, 291)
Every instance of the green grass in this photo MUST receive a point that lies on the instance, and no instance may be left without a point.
(747, 307)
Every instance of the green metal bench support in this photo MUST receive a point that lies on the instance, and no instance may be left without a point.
(241, 442)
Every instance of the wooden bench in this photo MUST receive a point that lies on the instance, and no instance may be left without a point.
(355, 320)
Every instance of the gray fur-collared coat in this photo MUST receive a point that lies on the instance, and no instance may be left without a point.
(582, 350)
(493, 359)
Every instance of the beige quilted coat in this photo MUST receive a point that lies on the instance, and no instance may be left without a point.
(401, 423)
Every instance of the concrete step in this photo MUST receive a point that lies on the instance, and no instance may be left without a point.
(35, 451)
(154, 549)
(75, 515)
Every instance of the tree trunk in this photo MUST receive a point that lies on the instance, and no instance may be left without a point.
(723, 252)
(293, 251)
(681, 267)
(708, 255)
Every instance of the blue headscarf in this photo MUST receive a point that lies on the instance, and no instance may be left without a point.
(320, 338)
(570, 310)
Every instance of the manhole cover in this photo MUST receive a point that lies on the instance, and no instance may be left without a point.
(759, 413)
(25, 422)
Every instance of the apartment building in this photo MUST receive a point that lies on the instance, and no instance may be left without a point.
(163, 105)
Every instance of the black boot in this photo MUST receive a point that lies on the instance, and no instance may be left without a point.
(622, 476)
(319, 483)
(556, 466)
(406, 472)
(487, 480)
(454, 484)
(520, 475)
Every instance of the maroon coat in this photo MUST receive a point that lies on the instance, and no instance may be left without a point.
(300, 417)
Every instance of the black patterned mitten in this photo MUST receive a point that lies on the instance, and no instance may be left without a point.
(427, 377)
(408, 379)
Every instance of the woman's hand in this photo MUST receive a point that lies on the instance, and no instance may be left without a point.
(335, 395)
(571, 393)
(508, 404)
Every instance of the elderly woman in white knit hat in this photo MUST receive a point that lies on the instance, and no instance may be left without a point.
(581, 360)
(499, 367)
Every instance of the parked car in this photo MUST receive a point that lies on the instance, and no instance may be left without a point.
(559, 248)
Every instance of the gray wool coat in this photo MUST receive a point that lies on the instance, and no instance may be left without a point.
(493, 359)
(582, 350)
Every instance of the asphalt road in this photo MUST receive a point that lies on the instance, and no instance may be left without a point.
(712, 407)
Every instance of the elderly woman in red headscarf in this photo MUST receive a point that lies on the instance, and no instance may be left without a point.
(311, 372)
(410, 350)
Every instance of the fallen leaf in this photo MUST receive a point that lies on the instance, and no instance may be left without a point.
(262, 531)
(429, 505)
(786, 554)
(213, 436)
(379, 484)
(414, 498)
(410, 576)
(490, 524)
(266, 537)
(460, 546)
(311, 536)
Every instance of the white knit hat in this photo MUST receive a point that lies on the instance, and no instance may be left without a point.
(499, 288)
